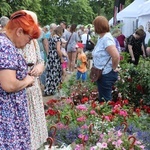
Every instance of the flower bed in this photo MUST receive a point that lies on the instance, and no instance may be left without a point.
(78, 120)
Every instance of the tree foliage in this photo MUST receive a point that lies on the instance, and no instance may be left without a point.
(71, 11)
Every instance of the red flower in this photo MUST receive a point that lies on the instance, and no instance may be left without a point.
(129, 79)
(139, 88)
(116, 111)
(112, 103)
(51, 112)
(125, 101)
(138, 111)
(84, 100)
(51, 102)
(101, 103)
(148, 110)
(93, 104)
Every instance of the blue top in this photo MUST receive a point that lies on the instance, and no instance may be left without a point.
(100, 55)
(14, 119)
(47, 35)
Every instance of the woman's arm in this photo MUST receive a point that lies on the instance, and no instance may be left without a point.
(131, 52)
(45, 44)
(39, 67)
(113, 52)
(58, 47)
(143, 50)
(9, 83)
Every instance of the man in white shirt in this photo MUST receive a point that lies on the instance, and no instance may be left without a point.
(84, 37)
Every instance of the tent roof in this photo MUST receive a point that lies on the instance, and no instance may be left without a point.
(131, 10)
(144, 9)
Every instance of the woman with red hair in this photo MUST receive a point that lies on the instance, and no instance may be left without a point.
(14, 79)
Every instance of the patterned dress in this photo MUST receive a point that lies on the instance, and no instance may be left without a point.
(53, 70)
(14, 119)
(38, 126)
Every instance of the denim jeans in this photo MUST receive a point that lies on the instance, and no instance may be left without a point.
(81, 75)
(105, 84)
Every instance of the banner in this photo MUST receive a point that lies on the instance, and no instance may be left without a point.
(118, 6)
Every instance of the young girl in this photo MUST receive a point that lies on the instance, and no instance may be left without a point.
(65, 57)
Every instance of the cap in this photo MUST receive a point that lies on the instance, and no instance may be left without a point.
(80, 45)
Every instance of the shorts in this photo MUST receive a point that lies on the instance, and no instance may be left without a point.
(81, 75)
(64, 65)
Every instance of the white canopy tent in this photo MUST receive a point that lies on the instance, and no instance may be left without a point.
(129, 17)
(144, 18)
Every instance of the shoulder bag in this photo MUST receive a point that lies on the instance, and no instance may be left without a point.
(96, 73)
(89, 44)
(68, 41)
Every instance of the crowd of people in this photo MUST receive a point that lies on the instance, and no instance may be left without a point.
(36, 60)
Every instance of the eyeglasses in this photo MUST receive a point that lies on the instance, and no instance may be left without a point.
(17, 15)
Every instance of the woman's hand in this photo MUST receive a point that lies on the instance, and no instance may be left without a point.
(34, 72)
(29, 80)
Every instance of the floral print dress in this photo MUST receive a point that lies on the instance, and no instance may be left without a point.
(53, 70)
(38, 128)
(14, 119)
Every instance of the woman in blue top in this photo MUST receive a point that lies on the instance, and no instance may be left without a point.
(14, 79)
(103, 51)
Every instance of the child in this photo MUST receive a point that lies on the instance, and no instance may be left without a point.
(65, 57)
(81, 63)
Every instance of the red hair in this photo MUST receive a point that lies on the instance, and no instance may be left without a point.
(25, 21)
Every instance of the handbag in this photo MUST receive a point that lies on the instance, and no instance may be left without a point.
(96, 73)
(89, 44)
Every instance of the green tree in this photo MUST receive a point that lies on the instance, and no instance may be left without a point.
(71, 11)
(5, 8)
(105, 7)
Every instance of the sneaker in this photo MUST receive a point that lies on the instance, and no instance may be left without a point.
(68, 72)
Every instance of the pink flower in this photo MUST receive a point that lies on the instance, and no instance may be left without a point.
(119, 133)
(81, 119)
(118, 143)
(84, 127)
(84, 137)
(81, 107)
(78, 147)
(123, 113)
(93, 148)
(101, 136)
(92, 112)
(117, 106)
(104, 145)
(61, 126)
(142, 147)
(107, 118)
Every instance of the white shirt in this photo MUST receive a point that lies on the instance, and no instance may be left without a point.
(84, 38)
(100, 55)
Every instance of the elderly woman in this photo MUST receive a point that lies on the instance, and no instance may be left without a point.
(38, 128)
(14, 79)
(3, 21)
(105, 54)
